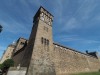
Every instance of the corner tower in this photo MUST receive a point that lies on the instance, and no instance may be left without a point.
(38, 52)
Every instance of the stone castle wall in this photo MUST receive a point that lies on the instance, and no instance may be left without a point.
(8, 53)
(67, 60)
(43, 57)
(19, 51)
(18, 56)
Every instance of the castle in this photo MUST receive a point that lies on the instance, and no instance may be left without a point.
(42, 56)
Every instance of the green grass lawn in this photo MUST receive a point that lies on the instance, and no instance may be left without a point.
(92, 73)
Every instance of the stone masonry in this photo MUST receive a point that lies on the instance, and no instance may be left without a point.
(8, 53)
(19, 51)
(42, 56)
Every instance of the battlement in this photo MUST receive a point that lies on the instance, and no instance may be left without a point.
(43, 15)
(74, 50)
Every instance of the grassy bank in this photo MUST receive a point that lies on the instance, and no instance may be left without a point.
(92, 73)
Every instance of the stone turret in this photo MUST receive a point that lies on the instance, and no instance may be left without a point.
(38, 52)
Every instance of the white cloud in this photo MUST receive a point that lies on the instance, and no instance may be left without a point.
(58, 8)
(66, 38)
(14, 27)
(91, 41)
(81, 16)
(2, 48)
(86, 8)
(71, 24)
(76, 38)
(16, 20)
(28, 2)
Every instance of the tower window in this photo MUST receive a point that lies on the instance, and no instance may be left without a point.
(22, 43)
(42, 40)
(44, 15)
(42, 18)
(49, 23)
(41, 14)
(45, 41)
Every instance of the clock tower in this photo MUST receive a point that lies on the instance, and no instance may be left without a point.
(38, 54)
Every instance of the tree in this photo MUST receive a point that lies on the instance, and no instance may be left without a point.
(6, 64)
(1, 66)
(0, 28)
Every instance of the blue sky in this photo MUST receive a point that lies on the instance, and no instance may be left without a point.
(76, 22)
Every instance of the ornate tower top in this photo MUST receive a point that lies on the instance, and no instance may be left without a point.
(43, 15)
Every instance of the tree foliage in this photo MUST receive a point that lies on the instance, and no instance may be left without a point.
(0, 28)
(1, 66)
(6, 64)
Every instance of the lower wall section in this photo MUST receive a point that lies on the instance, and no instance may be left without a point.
(94, 64)
(15, 71)
(59, 61)
(18, 56)
(69, 61)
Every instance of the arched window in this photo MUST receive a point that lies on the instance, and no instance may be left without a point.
(42, 40)
(42, 14)
(45, 41)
